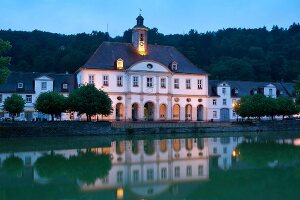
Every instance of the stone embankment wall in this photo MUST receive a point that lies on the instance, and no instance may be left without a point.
(75, 128)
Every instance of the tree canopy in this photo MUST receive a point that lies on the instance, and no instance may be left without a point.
(88, 100)
(52, 103)
(261, 54)
(4, 60)
(14, 104)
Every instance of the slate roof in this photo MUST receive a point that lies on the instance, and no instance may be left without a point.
(245, 87)
(27, 78)
(108, 52)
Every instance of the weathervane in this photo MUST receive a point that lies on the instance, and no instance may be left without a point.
(140, 11)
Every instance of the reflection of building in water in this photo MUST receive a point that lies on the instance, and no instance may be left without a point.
(150, 166)
(223, 148)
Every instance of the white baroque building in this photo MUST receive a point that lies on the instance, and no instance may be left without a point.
(146, 82)
(154, 82)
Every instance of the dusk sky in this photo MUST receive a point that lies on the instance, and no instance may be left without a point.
(169, 16)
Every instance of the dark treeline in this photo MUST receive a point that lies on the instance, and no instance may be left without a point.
(236, 54)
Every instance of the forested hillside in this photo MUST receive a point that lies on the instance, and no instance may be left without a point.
(236, 54)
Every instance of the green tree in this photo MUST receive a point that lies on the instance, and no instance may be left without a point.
(52, 103)
(14, 105)
(4, 61)
(13, 166)
(271, 107)
(90, 101)
(286, 106)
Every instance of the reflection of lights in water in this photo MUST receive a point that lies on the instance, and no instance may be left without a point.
(235, 153)
(120, 193)
(297, 142)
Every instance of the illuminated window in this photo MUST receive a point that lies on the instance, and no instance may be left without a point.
(199, 84)
(176, 83)
(91, 79)
(163, 82)
(105, 80)
(135, 81)
(188, 83)
(120, 64)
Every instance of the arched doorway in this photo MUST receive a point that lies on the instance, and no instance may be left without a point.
(176, 112)
(119, 111)
(149, 111)
(200, 113)
(224, 114)
(188, 112)
(162, 112)
(134, 112)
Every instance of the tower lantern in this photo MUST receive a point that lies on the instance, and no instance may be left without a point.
(139, 36)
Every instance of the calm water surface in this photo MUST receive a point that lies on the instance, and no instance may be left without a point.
(145, 168)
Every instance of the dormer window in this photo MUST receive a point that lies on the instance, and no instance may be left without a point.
(65, 86)
(174, 66)
(120, 64)
(20, 85)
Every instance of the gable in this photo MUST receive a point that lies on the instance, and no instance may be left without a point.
(149, 66)
(44, 78)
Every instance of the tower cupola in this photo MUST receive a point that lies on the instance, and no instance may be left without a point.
(139, 36)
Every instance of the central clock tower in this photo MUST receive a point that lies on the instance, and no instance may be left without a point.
(139, 36)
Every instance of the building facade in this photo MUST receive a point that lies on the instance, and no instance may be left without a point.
(145, 82)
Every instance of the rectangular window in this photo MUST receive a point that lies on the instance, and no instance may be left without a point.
(177, 172)
(20, 85)
(105, 180)
(214, 114)
(233, 114)
(0, 98)
(105, 80)
(136, 175)
(270, 92)
(188, 83)
(215, 150)
(44, 85)
(91, 79)
(224, 102)
(214, 101)
(135, 81)
(27, 160)
(176, 83)
(163, 173)
(149, 82)
(200, 170)
(150, 175)
(119, 81)
(28, 98)
(119, 176)
(224, 150)
(199, 84)
(224, 91)
(65, 86)
(163, 83)
(189, 171)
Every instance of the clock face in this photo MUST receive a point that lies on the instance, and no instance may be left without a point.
(141, 43)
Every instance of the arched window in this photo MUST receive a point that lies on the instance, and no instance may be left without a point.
(176, 145)
(189, 144)
(163, 146)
